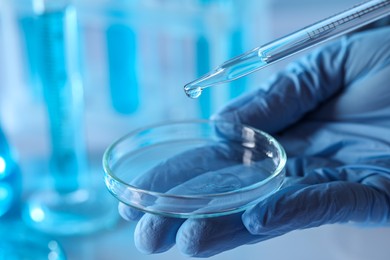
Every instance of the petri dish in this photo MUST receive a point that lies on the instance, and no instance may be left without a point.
(194, 168)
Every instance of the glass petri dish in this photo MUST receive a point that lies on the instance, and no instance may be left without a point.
(192, 169)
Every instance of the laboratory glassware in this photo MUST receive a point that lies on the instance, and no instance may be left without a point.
(122, 48)
(10, 181)
(202, 168)
(74, 203)
(20, 242)
(122, 67)
(17, 241)
(293, 43)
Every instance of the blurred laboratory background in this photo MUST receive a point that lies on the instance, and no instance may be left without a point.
(77, 75)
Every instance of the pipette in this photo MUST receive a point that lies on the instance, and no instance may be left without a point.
(260, 57)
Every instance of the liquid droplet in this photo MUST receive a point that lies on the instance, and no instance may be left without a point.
(193, 92)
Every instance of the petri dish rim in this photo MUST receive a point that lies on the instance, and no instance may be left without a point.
(109, 173)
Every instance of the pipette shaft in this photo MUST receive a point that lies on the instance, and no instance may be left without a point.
(286, 46)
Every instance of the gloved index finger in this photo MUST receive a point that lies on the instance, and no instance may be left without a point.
(184, 166)
(175, 171)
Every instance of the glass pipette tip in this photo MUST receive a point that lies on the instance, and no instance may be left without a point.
(228, 71)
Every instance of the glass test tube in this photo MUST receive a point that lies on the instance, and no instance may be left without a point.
(121, 40)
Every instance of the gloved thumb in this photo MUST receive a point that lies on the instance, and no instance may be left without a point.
(301, 206)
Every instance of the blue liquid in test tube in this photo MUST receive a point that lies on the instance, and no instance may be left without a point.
(121, 49)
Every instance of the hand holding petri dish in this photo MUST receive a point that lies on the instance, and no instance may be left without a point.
(193, 169)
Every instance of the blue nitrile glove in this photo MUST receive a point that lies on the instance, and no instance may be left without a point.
(331, 112)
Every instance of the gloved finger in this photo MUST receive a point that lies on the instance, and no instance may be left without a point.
(369, 54)
(210, 184)
(129, 213)
(156, 234)
(223, 180)
(179, 169)
(194, 237)
(292, 93)
(187, 165)
(210, 236)
(303, 206)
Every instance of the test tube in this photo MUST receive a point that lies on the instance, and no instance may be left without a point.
(121, 40)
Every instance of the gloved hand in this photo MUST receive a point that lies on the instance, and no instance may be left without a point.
(331, 112)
